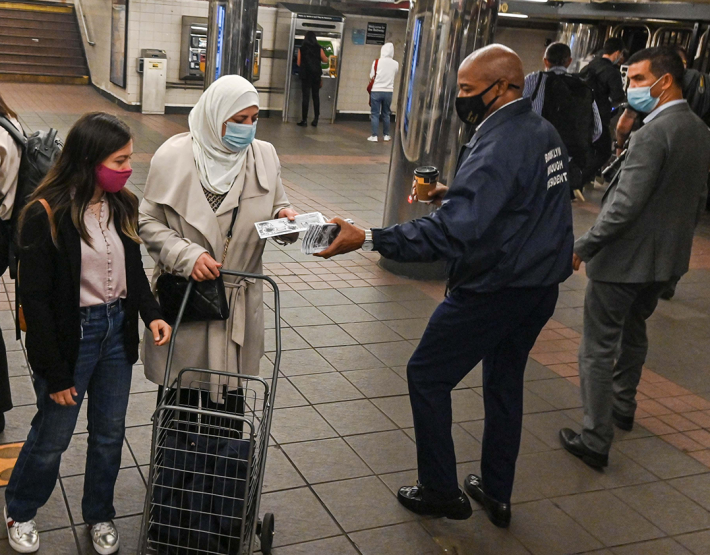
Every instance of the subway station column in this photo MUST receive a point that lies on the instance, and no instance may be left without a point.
(231, 32)
(428, 132)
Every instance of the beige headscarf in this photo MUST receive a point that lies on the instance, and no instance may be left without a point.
(217, 165)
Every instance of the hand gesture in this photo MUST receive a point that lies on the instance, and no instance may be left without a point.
(349, 239)
(206, 268)
(161, 332)
(291, 214)
(436, 195)
(65, 398)
(576, 262)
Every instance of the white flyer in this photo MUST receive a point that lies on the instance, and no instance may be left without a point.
(284, 226)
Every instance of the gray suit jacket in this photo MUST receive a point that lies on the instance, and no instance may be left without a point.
(644, 231)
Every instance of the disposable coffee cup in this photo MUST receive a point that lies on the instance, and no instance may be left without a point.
(426, 178)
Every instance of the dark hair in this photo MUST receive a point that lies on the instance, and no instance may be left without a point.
(71, 181)
(5, 109)
(614, 44)
(311, 39)
(558, 54)
(663, 60)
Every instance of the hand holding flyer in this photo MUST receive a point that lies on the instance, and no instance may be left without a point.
(284, 226)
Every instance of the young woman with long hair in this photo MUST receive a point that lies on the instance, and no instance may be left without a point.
(82, 287)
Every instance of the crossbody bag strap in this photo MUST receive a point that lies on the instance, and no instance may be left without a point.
(50, 216)
(14, 132)
(229, 234)
(537, 86)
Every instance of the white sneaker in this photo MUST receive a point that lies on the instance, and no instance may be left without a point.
(105, 538)
(372, 139)
(387, 138)
(22, 536)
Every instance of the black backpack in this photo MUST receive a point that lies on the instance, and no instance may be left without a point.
(696, 90)
(39, 151)
(568, 105)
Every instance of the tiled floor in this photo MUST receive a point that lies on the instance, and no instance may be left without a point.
(342, 434)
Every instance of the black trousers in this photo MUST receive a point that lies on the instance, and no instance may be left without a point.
(5, 393)
(601, 152)
(499, 328)
(310, 86)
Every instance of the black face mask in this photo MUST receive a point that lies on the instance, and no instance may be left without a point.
(471, 109)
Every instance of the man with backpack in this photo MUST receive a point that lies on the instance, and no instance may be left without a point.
(603, 76)
(568, 103)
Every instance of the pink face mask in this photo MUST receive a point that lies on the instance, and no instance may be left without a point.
(111, 181)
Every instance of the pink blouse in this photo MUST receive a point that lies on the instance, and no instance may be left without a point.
(103, 264)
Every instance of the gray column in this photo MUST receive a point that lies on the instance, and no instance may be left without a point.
(237, 41)
(428, 132)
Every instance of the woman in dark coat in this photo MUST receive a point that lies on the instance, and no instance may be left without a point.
(310, 56)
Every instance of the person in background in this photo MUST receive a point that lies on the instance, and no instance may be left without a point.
(82, 288)
(197, 184)
(603, 75)
(384, 72)
(696, 90)
(310, 56)
(571, 100)
(505, 226)
(10, 157)
(641, 240)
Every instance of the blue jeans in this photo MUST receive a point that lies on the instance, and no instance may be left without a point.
(103, 371)
(381, 108)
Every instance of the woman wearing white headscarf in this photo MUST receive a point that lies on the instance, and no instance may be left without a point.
(196, 182)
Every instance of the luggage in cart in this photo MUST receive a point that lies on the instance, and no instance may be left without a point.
(208, 456)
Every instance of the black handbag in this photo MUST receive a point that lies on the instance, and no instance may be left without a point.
(208, 299)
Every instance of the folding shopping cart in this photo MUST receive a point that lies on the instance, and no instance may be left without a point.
(208, 456)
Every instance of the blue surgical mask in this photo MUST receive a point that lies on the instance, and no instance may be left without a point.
(641, 100)
(238, 136)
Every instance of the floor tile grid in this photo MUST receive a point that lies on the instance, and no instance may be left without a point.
(664, 408)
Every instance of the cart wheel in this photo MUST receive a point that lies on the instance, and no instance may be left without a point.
(266, 533)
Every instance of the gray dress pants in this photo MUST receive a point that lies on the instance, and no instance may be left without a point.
(612, 354)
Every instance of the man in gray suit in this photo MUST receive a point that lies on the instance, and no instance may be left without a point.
(640, 241)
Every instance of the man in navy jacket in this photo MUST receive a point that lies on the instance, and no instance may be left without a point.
(505, 228)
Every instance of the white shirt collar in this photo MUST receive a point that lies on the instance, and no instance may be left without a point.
(658, 110)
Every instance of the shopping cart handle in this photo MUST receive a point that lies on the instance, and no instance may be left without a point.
(183, 307)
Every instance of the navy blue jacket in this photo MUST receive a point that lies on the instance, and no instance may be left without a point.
(506, 220)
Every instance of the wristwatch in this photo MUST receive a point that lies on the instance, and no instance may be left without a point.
(368, 245)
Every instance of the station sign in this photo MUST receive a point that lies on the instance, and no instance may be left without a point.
(376, 33)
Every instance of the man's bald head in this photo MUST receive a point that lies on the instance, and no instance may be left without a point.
(495, 62)
(494, 71)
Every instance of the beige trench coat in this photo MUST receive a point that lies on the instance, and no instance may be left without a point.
(177, 225)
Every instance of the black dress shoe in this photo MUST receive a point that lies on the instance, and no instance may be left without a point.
(2, 422)
(302, 123)
(314, 123)
(498, 513)
(622, 422)
(572, 441)
(415, 499)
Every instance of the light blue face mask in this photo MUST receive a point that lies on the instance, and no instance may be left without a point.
(641, 100)
(238, 136)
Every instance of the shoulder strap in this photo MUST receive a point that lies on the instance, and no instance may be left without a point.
(229, 233)
(13, 131)
(376, 62)
(50, 216)
(537, 85)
